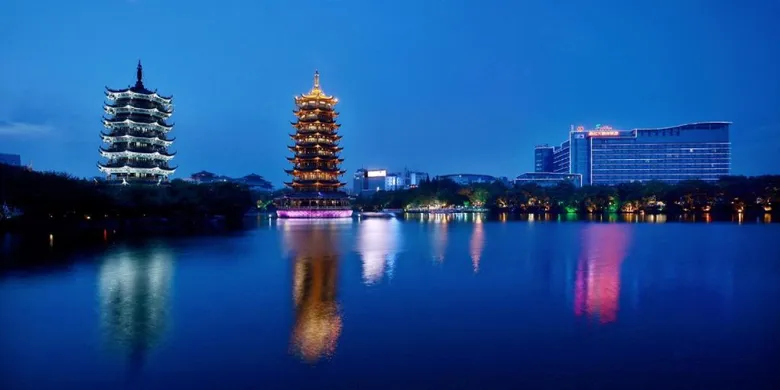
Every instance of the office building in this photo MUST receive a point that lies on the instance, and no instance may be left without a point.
(548, 179)
(606, 156)
(543, 158)
(369, 181)
(466, 179)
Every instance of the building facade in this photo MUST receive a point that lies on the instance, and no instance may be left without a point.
(606, 156)
(11, 159)
(466, 179)
(367, 181)
(137, 134)
(548, 179)
(372, 180)
(543, 158)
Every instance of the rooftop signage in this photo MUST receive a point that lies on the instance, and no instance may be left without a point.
(380, 173)
(601, 133)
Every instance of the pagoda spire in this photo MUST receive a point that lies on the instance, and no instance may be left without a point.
(139, 74)
(316, 79)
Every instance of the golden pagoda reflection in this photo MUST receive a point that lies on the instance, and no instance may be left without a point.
(315, 276)
(477, 242)
(597, 283)
(378, 242)
(134, 287)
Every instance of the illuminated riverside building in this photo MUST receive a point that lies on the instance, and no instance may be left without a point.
(548, 179)
(316, 163)
(137, 135)
(366, 181)
(466, 179)
(606, 156)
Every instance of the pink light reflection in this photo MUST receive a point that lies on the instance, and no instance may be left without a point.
(597, 283)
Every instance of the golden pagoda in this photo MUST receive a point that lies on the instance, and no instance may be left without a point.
(316, 163)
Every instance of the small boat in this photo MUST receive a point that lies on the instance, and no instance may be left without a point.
(377, 214)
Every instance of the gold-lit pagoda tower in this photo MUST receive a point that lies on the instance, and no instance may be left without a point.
(316, 163)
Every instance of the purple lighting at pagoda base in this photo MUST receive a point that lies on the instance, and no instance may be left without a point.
(308, 213)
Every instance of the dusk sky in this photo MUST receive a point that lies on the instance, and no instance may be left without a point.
(443, 86)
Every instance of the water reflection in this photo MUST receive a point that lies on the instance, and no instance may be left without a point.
(378, 242)
(439, 236)
(597, 283)
(477, 242)
(315, 276)
(134, 291)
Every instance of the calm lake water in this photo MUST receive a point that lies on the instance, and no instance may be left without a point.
(389, 304)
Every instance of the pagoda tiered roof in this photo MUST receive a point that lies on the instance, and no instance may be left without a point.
(130, 109)
(136, 152)
(134, 136)
(137, 141)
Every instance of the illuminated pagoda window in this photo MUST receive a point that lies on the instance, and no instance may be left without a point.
(316, 165)
(136, 134)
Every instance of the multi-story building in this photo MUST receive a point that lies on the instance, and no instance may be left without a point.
(606, 156)
(316, 162)
(372, 180)
(465, 179)
(137, 134)
(11, 159)
(548, 179)
(369, 180)
(543, 158)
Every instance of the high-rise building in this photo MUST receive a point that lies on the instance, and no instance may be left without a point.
(606, 156)
(543, 158)
(316, 163)
(137, 134)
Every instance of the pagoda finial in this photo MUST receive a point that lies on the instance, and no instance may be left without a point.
(139, 72)
(316, 79)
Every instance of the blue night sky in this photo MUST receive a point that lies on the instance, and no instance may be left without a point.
(444, 86)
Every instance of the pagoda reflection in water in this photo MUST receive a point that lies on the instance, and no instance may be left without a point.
(134, 289)
(313, 244)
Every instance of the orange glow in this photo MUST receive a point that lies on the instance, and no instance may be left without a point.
(315, 275)
(597, 283)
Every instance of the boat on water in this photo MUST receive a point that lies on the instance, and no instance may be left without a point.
(387, 213)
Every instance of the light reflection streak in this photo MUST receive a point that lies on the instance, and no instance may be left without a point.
(597, 283)
(318, 321)
(133, 289)
(439, 236)
(477, 242)
(378, 243)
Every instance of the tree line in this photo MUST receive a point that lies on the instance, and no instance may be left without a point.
(49, 196)
(729, 194)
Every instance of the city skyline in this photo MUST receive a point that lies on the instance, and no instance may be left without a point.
(416, 82)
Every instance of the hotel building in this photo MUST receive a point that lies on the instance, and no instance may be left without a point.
(606, 156)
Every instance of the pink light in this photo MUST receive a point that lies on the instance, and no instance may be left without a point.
(292, 213)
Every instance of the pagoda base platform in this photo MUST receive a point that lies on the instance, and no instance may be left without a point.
(313, 213)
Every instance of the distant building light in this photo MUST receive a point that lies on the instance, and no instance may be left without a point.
(380, 173)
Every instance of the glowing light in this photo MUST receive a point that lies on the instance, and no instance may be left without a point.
(293, 213)
(477, 243)
(600, 133)
(379, 173)
(378, 243)
(597, 284)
